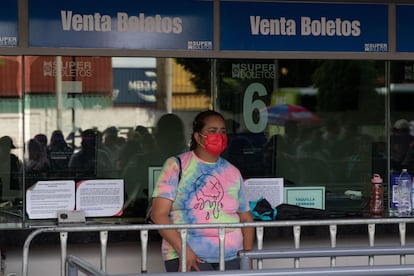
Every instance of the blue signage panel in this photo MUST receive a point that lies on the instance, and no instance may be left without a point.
(8, 23)
(156, 24)
(135, 86)
(405, 40)
(267, 26)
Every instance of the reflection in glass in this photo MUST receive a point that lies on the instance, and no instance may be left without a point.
(313, 123)
(11, 149)
(330, 132)
(105, 117)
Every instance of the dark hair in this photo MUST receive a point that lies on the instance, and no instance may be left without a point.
(169, 134)
(199, 122)
(41, 138)
(57, 137)
(89, 139)
(35, 149)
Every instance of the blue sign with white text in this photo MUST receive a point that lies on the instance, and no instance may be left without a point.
(8, 23)
(405, 41)
(134, 86)
(157, 24)
(267, 26)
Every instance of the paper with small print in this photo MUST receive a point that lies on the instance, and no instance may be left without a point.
(269, 188)
(100, 198)
(45, 198)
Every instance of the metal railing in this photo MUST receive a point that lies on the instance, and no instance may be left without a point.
(103, 230)
(319, 252)
(76, 264)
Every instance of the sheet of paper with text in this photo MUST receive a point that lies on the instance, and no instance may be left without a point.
(269, 188)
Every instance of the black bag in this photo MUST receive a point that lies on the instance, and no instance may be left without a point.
(149, 208)
(293, 212)
(262, 210)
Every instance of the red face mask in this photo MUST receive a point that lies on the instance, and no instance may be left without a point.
(215, 143)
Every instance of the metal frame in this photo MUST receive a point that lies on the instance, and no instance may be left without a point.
(248, 256)
(182, 228)
(76, 264)
(24, 49)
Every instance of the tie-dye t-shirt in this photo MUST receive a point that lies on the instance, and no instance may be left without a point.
(207, 193)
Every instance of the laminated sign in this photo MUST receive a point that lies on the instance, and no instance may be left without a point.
(269, 188)
(95, 198)
(309, 197)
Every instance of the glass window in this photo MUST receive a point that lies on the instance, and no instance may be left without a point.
(401, 115)
(11, 147)
(109, 118)
(401, 128)
(311, 122)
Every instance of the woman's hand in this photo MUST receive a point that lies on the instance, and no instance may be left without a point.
(160, 215)
(192, 260)
(248, 232)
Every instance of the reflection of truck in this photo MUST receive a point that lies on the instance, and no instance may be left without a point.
(88, 79)
(134, 86)
(303, 96)
(401, 96)
(89, 75)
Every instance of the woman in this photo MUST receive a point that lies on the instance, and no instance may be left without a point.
(210, 190)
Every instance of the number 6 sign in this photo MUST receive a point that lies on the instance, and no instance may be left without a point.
(250, 105)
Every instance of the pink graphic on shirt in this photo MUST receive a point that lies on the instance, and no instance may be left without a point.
(209, 194)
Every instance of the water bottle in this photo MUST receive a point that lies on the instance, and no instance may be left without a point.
(404, 194)
(377, 196)
(412, 196)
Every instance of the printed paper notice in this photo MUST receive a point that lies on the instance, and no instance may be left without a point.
(45, 198)
(100, 198)
(269, 188)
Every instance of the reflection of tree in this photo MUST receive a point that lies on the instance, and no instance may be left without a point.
(346, 85)
(298, 73)
(231, 86)
(200, 68)
(230, 94)
(343, 84)
(230, 89)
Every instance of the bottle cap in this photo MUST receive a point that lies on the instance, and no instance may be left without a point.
(376, 178)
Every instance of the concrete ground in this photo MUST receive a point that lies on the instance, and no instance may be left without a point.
(124, 257)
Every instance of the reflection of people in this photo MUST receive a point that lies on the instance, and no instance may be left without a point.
(400, 140)
(111, 142)
(168, 140)
(10, 166)
(408, 161)
(90, 161)
(38, 165)
(132, 146)
(42, 139)
(169, 136)
(309, 145)
(330, 137)
(58, 153)
(210, 191)
(280, 153)
(244, 150)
